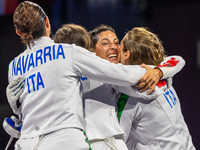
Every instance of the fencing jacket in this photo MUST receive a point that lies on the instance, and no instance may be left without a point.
(52, 98)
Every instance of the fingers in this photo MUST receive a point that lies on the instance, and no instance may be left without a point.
(149, 80)
(152, 88)
(19, 91)
(16, 86)
(19, 87)
(149, 85)
(143, 81)
(13, 83)
(146, 78)
(140, 85)
(144, 66)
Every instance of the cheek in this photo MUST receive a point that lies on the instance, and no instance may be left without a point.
(119, 52)
(101, 51)
(119, 56)
(122, 57)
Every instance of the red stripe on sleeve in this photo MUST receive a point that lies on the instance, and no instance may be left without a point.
(161, 83)
(170, 63)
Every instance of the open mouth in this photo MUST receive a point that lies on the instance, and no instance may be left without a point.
(112, 56)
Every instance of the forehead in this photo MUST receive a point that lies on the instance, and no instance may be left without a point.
(107, 35)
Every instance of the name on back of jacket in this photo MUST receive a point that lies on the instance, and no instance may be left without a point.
(23, 64)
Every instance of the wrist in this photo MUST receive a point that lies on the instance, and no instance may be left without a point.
(160, 73)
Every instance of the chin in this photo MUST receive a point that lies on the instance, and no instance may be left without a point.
(114, 61)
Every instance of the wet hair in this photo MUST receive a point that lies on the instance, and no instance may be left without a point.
(144, 46)
(72, 33)
(29, 20)
(94, 34)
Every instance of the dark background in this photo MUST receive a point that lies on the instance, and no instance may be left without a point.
(177, 23)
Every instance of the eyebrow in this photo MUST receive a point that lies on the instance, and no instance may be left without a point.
(104, 39)
(108, 39)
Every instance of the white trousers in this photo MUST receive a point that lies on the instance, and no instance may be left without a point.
(109, 144)
(64, 139)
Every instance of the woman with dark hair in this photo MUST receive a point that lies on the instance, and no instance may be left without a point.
(105, 94)
(51, 104)
(100, 99)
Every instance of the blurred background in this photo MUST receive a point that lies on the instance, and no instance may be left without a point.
(176, 22)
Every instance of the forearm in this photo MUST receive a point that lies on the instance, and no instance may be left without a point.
(102, 70)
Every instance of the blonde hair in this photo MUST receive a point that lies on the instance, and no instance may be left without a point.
(72, 33)
(144, 46)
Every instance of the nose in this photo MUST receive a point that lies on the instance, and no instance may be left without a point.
(114, 46)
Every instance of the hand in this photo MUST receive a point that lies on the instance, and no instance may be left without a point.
(150, 79)
(12, 126)
(13, 91)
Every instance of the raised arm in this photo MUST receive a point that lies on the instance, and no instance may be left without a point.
(134, 92)
(89, 65)
(167, 69)
(171, 66)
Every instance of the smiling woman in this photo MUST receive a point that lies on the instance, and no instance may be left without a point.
(53, 72)
(105, 43)
(100, 99)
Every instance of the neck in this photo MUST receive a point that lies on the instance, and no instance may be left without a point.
(47, 34)
(47, 31)
(127, 62)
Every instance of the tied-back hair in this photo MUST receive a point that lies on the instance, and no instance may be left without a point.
(72, 33)
(94, 34)
(29, 20)
(144, 46)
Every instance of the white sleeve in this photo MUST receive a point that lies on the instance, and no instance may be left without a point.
(133, 91)
(171, 65)
(10, 72)
(88, 64)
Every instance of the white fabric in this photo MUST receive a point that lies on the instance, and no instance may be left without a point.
(100, 102)
(52, 98)
(171, 65)
(13, 92)
(109, 144)
(100, 113)
(157, 124)
(69, 138)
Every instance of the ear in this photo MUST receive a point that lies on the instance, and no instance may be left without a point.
(126, 55)
(18, 33)
(47, 22)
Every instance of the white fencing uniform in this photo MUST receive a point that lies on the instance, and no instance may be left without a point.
(100, 102)
(67, 138)
(52, 98)
(155, 123)
(100, 115)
